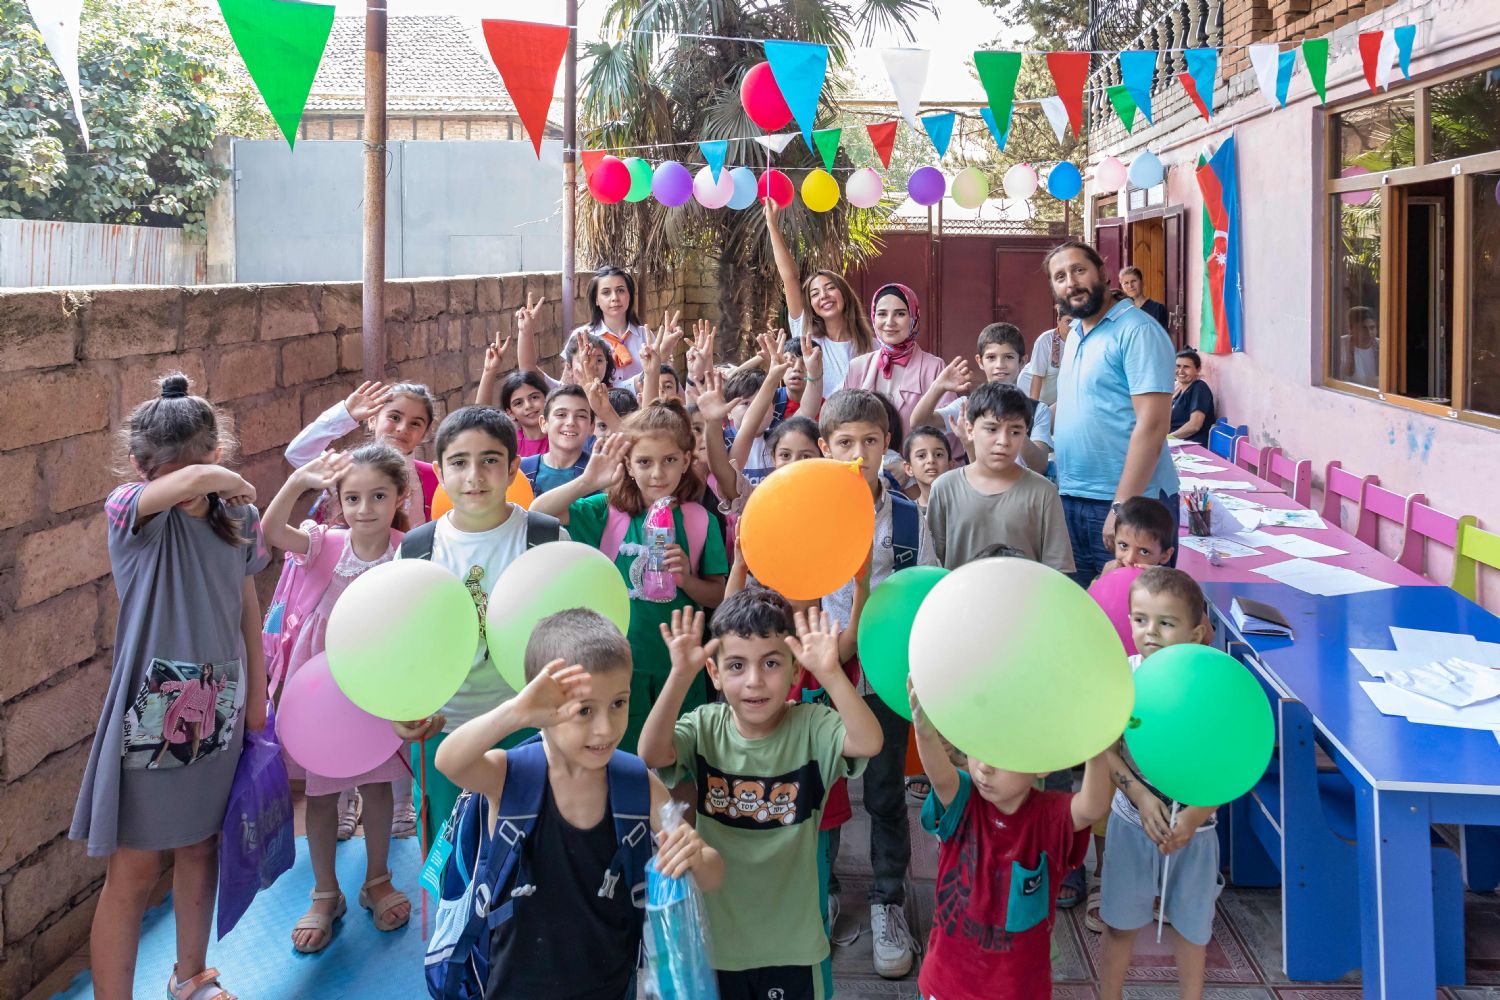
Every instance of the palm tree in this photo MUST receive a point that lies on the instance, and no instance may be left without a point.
(655, 85)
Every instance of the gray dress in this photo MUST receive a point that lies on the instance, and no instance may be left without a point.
(169, 737)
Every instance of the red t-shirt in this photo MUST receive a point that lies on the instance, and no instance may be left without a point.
(997, 881)
(836, 809)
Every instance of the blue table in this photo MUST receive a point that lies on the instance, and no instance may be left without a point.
(1406, 776)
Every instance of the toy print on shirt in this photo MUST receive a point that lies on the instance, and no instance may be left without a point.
(184, 713)
(757, 802)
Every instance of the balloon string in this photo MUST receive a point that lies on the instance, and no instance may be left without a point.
(422, 815)
(1161, 915)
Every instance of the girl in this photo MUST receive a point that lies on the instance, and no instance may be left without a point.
(524, 398)
(651, 458)
(184, 546)
(586, 358)
(898, 368)
(372, 487)
(926, 456)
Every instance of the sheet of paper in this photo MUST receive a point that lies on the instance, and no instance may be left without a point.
(1426, 646)
(1227, 548)
(1302, 548)
(1391, 700)
(1192, 483)
(1257, 538)
(1379, 662)
(1291, 519)
(1178, 442)
(1231, 502)
(1319, 578)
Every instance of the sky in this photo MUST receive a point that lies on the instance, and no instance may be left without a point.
(951, 34)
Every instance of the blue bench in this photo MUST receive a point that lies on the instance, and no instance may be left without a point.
(1296, 830)
(1221, 437)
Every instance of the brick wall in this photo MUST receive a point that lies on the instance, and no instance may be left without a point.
(72, 364)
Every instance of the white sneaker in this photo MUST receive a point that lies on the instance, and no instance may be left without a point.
(833, 911)
(893, 945)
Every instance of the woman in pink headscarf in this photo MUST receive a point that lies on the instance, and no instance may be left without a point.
(897, 368)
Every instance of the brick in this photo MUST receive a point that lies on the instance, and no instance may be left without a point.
(39, 807)
(38, 725)
(398, 301)
(429, 299)
(247, 370)
(309, 359)
(17, 974)
(48, 638)
(267, 471)
(19, 502)
(80, 470)
(60, 871)
(65, 937)
(137, 377)
(319, 398)
(487, 297)
(289, 311)
(37, 407)
(212, 316)
(536, 288)
(462, 295)
(37, 330)
(340, 306)
(270, 424)
(351, 350)
(447, 373)
(512, 291)
(109, 615)
(61, 558)
(126, 322)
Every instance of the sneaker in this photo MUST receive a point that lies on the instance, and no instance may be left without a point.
(833, 912)
(893, 945)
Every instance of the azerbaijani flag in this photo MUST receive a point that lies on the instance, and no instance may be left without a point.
(1222, 328)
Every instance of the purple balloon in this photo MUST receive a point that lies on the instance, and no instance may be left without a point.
(672, 184)
(927, 186)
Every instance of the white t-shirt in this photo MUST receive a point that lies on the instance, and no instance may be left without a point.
(1040, 366)
(482, 556)
(836, 356)
(1041, 425)
(1122, 806)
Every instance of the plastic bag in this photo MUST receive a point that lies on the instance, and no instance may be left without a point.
(676, 937)
(256, 842)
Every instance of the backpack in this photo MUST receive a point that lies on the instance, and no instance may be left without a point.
(694, 522)
(540, 529)
(906, 530)
(531, 466)
(484, 873)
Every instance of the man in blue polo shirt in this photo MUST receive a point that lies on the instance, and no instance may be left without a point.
(1114, 407)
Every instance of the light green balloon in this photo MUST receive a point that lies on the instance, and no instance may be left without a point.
(640, 178)
(885, 630)
(545, 580)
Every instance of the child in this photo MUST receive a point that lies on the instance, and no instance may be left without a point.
(763, 767)
(523, 397)
(611, 407)
(606, 507)
(568, 420)
(184, 547)
(1005, 844)
(586, 358)
(995, 499)
(1145, 828)
(476, 541)
(372, 488)
(855, 424)
(577, 936)
(1145, 534)
(925, 456)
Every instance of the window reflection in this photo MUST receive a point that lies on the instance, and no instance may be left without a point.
(1355, 312)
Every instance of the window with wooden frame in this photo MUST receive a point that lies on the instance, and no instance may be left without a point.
(1413, 283)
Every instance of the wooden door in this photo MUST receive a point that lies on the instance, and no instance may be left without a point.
(1174, 228)
(1109, 240)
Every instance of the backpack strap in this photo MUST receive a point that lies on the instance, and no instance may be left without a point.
(530, 466)
(541, 528)
(428, 480)
(417, 543)
(695, 523)
(630, 804)
(520, 803)
(616, 524)
(906, 530)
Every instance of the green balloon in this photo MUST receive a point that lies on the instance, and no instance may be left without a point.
(885, 633)
(1201, 730)
(640, 179)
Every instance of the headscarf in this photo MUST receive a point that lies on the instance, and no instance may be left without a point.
(891, 357)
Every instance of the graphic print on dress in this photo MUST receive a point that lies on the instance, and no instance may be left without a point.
(183, 714)
(755, 802)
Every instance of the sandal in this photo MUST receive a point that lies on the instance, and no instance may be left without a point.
(379, 911)
(1091, 919)
(197, 988)
(1077, 880)
(917, 787)
(404, 823)
(350, 805)
(322, 922)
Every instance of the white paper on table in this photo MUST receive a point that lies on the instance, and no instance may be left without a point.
(1302, 548)
(1291, 519)
(1178, 442)
(1257, 538)
(1391, 700)
(1426, 645)
(1226, 548)
(1379, 662)
(1453, 681)
(1191, 483)
(1320, 578)
(1230, 502)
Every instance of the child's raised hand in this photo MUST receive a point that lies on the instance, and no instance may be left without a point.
(711, 404)
(678, 851)
(684, 639)
(324, 472)
(598, 395)
(956, 376)
(816, 644)
(671, 334)
(494, 355)
(526, 315)
(553, 696)
(812, 356)
(419, 730)
(366, 401)
(607, 463)
(700, 353)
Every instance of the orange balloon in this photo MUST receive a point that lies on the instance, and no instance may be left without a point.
(519, 493)
(808, 528)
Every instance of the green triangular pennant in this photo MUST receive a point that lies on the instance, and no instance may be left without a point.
(1315, 55)
(282, 44)
(997, 73)
(1124, 105)
(826, 142)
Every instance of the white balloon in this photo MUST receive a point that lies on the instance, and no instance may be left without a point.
(1110, 175)
(864, 188)
(709, 193)
(1020, 182)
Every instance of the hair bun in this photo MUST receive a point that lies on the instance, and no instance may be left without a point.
(174, 386)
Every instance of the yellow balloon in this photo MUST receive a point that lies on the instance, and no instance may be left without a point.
(520, 494)
(820, 192)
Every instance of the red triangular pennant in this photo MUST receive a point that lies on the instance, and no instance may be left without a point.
(1369, 53)
(528, 56)
(590, 159)
(883, 137)
(1070, 71)
(1191, 86)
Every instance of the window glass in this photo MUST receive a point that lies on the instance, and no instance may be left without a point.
(1484, 296)
(1466, 115)
(1376, 137)
(1354, 319)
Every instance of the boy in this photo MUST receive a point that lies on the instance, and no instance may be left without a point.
(752, 397)
(763, 768)
(1004, 845)
(1145, 828)
(579, 909)
(856, 424)
(567, 419)
(994, 499)
(476, 541)
(925, 456)
(1145, 534)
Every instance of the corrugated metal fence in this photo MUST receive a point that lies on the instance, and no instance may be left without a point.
(34, 253)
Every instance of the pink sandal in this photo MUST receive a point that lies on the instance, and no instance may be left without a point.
(197, 988)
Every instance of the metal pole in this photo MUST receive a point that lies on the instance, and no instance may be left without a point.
(570, 168)
(373, 293)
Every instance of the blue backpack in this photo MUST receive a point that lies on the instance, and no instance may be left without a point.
(484, 874)
(531, 465)
(906, 529)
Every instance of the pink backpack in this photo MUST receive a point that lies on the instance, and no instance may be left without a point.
(694, 522)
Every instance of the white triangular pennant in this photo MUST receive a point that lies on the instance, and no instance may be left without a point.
(1265, 58)
(776, 143)
(1390, 52)
(1057, 115)
(57, 20)
(907, 69)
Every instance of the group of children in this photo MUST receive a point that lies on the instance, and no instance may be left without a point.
(760, 726)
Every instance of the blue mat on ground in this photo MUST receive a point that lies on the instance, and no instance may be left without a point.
(257, 959)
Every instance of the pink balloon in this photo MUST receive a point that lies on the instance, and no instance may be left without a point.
(1112, 593)
(863, 188)
(1110, 175)
(711, 193)
(762, 98)
(327, 733)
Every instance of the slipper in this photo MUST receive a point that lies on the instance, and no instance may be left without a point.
(379, 911)
(1091, 919)
(203, 986)
(322, 922)
(917, 787)
(1076, 880)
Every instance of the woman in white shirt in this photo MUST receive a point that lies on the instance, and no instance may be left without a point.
(614, 319)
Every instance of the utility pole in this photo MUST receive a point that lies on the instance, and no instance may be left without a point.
(372, 337)
(570, 168)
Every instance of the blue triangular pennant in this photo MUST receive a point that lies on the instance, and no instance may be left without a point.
(1137, 68)
(939, 129)
(714, 151)
(1286, 65)
(999, 135)
(1203, 67)
(1405, 36)
(799, 69)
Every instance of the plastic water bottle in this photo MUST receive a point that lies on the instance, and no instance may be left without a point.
(657, 583)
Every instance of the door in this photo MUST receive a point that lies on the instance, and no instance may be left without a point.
(1109, 240)
(1174, 229)
(1023, 295)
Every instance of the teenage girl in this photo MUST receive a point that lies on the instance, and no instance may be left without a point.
(184, 546)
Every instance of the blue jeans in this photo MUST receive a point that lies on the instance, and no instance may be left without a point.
(1085, 519)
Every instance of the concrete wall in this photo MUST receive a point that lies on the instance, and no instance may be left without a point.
(73, 362)
(1275, 384)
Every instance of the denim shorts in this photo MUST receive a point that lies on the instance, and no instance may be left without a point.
(1132, 880)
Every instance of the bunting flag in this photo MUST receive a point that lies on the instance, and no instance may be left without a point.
(1405, 36)
(939, 129)
(1137, 70)
(1124, 104)
(714, 151)
(1273, 70)
(883, 138)
(1070, 71)
(281, 43)
(590, 159)
(57, 20)
(907, 69)
(776, 143)
(1385, 60)
(799, 69)
(826, 142)
(1286, 65)
(998, 134)
(1315, 56)
(998, 72)
(1370, 43)
(1218, 180)
(1198, 81)
(528, 56)
(1057, 116)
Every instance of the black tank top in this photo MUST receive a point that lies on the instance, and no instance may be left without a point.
(565, 940)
